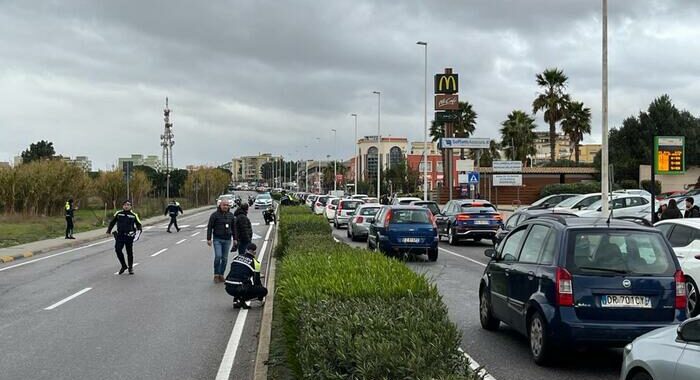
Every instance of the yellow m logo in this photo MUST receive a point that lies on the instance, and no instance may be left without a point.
(446, 83)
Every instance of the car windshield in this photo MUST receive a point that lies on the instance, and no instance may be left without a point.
(351, 205)
(334, 202)
(619, 251)
(323, 200)
(539, 201)
(406, 201)
(570, 202)
(368, 211)
(470, 208)
(430, 206)
(410, 217)
(264, 197)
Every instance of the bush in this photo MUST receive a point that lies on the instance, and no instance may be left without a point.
(276, 196)
(571, 188)
(348, 313)
(629, 184)
(646, 185)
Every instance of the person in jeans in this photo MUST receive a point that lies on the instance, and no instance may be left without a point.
(220, 226)
(244, 230)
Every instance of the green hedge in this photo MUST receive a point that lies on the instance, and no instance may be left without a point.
(571, 188)
(348, 313)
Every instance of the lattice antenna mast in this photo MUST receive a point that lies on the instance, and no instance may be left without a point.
(167, 142)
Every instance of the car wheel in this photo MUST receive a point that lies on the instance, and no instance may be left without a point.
(347, 232)
(335, 224)
(451, 238)
(641, 375)
(693, 295)
(369, 244)
(539, 340)
(433, 254)
(488, 321)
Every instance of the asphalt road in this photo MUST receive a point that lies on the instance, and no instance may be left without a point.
(167, 321)
(504, 353)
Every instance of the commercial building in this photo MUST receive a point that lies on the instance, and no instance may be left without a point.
(251, 166)
(391, 150)
(236, 170)
(563, 149)
(80, 161)
(151, 161)
(587, 152)
(5, 165)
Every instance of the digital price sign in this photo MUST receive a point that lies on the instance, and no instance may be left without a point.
(669, 154)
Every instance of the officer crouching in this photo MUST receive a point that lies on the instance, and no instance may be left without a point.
(243, 280)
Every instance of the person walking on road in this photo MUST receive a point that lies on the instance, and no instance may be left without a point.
(672, 211)
(128, 225)
(243, 233)
(172, 210)
(691, 211)
(243, 281)
(220, 226)
(69, 218)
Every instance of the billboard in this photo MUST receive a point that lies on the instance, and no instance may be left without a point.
(467, 143)
(669, 154)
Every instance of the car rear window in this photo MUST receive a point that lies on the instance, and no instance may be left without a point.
(351, 205)
(410, 216)
(429, 205)
(322, 200)
(619, 252)
(369, 211)
(335, 202)
(477, 208)
(406, 201)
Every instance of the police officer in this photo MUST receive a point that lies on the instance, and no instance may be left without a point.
(172, 210)
(127, 223)
(243, 280)
(69, 218)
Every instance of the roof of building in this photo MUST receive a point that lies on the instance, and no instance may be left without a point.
(546, 170)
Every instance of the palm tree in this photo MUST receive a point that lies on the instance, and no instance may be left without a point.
(577, 121)
(518, 136)
(552, 100)
(463, 128)
(488, 155)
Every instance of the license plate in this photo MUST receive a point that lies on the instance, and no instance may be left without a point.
(481, 222)
(410, 240)
(640, 302)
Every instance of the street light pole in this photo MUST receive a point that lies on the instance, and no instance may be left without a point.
(335, 162)
(604, 177)
(357, 157)
(318, 165)
(306, 170)
(425, 125)
(379, 143)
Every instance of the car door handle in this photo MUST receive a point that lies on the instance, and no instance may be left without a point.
(530, 275)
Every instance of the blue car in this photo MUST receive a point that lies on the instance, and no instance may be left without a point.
(399, 230)
(565, 282)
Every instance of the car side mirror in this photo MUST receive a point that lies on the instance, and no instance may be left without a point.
(491, 253)
(689, 331)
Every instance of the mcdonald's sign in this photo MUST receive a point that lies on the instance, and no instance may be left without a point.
(446, 83)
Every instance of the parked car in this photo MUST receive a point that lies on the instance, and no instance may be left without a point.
(567, 282)
(345, 211)
(621, 205)
(684, 236)
(430, 205)
(311, 200)
(371, 200)
(359, 196)
(263, 200)
(671, 352)
(640, 192)
(320, 204)
(228, 198)
(329, 211)
(549, 201)
(670, 194)
(404, 200)
(400, 230)
(362, 217)
(519, 217)
(469, 219)
(578, 202)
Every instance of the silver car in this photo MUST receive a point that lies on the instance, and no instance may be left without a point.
(345, 210)
(358, 226)
(668, 353)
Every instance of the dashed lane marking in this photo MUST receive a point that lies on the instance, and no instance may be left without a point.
(181, 241)
(195, 234)
(61, 302)
(159, 252)
(462, 257)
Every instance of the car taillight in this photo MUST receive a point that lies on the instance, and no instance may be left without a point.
(463, 218)
(565, 288)
(359, 219)
(681, 296)
(498, 217)
(434, 220)
(318, 204)
(387, 219)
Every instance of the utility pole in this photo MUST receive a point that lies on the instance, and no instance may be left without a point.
(425, 125)
(167, 142)
(604, 177)
(379, 144)
(357, 157)
(335, 162)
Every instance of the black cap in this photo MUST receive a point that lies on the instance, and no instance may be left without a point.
(251, 247)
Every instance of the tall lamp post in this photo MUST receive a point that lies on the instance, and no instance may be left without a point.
(318, 165)
(379, 144)
(604, 177)
(306, 170)
(425, 124)
(357, 157)
(335, 162)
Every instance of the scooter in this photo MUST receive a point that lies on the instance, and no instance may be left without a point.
(269, 215)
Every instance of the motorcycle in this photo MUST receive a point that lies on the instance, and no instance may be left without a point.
(251, 200)
(269, 215)
(238, 202)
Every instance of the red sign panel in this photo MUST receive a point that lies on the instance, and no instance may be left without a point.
(447, 102)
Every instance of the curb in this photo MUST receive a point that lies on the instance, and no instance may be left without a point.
(77, 242)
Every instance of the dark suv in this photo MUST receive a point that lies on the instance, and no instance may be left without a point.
(564, 282)
(469, 219)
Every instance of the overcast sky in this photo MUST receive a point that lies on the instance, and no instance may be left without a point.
(270, 76)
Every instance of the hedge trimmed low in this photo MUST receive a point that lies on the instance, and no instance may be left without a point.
(348, 313)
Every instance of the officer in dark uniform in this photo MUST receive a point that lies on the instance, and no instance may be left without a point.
(69, 218)
(172, 210)
(243, 280)
(127, 223)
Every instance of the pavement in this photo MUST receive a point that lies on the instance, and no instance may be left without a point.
(66, 315)
(504, 353)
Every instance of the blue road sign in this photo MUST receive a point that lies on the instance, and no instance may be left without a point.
(473, 177)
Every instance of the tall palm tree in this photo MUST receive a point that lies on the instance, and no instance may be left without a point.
(518, 136)
(577, 121)
(552, 100)
(487, 155)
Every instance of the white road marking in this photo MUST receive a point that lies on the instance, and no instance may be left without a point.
(195, 234)
(148, 227)
(203, 240)
(255, 224)
(55, 254)
(256, 236)
(181, 241)
(480, 371)
(234, 340)
(201, 226)
(462, 257)
(61, 302)
(159, 252)
(185, 226)
(117, 273)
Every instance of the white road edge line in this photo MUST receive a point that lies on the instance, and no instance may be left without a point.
(474, 365)
(55, 254)
(159, 252)
(195, 234)
(181, 241)
(233, 342)
(61, 302)
(462, 257)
